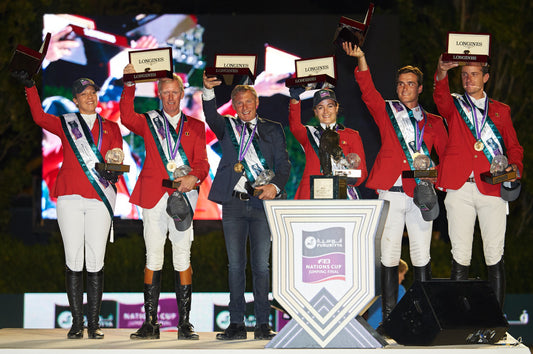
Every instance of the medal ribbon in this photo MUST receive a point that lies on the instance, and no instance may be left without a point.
(255, 152)
(399, 133)
(170, 135)
(243, 148)
(419, 134)
(158, 140)
(459, 101)
(474, 112)
(172, 151)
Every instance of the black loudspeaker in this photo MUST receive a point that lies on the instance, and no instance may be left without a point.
(447, 312)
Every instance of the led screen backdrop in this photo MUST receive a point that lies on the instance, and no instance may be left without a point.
(98, 47)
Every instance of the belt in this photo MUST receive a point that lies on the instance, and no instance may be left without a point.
(471, 180)
(396, 189)
(242, 196)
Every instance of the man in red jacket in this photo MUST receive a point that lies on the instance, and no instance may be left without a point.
(480, 128)
(407, 131)
(172, 140)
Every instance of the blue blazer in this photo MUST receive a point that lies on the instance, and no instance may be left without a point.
(272, 144)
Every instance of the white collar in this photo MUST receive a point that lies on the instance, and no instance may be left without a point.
(89, 119)
(174, 119)
(480, 103)
(252, 122)
(331, 126)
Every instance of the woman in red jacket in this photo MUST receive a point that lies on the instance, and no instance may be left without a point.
(85, 197)
(326, 108)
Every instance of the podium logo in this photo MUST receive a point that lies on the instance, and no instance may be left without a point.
(323, 255)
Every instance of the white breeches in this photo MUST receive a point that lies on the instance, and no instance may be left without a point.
(156, 224)
(462, 207)
(84, 224)
(404, 213)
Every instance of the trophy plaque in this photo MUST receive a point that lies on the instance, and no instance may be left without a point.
(419, 174)
(328, 187)
(314, 73)
(29, 60)
(102, 166)
(353, 31)
(150, 65)
(467, 48)
(234, 69)
(497, 173)
(350, 173)
(171, 184)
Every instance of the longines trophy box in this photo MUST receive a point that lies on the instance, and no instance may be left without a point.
(234, 69)
(314, 73)
(150, 65)
(353, 31)
(29, 60)
(467, 48)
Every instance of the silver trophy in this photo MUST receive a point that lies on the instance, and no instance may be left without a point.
(181, 171)
(348, 166)
(115, 156)
(421, 161)
(499, 164)
(264, 178)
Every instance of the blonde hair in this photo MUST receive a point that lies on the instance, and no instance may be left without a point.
(403, 267)
(243, 88)
(175, 77)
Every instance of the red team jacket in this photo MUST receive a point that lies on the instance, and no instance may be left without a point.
(460, 158)
(350, 141)
(148, 189)
(71, 178)
(391, 159)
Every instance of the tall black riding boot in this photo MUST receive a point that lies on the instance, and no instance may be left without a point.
(459, 272)
(74, 285)
(423, 273)
(389, 292)
(95, 289)
(496, 278)
(183, 297)
(150, 327)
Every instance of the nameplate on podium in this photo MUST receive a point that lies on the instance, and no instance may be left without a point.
(150, 65)
(234, 69)
(314, 73)
(115, 167)
(467, 48)
(29, 60)
(353, 31)
(328, 187)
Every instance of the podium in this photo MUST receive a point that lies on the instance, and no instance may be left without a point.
(325, 266)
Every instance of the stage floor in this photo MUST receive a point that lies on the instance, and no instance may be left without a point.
(17, 340)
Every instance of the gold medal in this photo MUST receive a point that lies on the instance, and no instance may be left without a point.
(478, 145)
(238, 167)
(171, 166)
